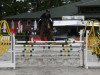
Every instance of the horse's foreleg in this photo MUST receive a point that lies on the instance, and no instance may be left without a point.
(50, 36)
(42, 36)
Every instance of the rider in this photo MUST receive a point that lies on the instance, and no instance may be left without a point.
(45, 16)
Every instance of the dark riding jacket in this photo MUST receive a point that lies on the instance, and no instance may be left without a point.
(45, 16)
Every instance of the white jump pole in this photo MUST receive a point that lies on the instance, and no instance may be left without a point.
(49, 41)
(86, 56)
(81, 48)
(14, 50)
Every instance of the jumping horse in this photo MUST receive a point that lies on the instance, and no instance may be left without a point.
(45, 28)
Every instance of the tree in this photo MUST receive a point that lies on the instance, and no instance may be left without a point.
(11, 7)
(46, 4)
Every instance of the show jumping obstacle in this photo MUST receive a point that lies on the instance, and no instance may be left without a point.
(47, 53)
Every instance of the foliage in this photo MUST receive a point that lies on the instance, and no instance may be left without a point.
(11, 7)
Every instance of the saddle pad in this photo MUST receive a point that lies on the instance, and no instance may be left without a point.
(37, 38)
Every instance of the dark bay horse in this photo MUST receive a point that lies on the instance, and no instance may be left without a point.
(45, 28)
